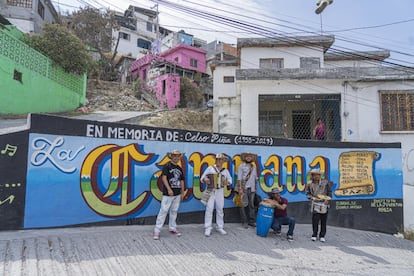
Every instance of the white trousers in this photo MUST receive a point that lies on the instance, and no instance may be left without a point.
(217, 197)
(168, 203)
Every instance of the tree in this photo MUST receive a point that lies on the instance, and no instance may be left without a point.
(64, 48)
(190, 94)
(94, 27)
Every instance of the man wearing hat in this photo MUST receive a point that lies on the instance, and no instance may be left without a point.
(319, 192)
(281, 217)
(246, 187)
(216, 177)
(172, 178)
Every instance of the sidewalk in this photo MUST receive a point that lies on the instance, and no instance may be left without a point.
(130, 250)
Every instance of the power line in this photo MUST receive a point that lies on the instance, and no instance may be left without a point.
(262, 31)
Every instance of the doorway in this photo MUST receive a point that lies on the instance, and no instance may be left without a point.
(301, 122)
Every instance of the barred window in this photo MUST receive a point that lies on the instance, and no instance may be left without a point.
(193, 62)
(397, 110)
(142, 43)
(149, 26)
(271, 123)
(20, 3)
(271, 63)
(310, 62)
(124, 36)
(41, 10)
(228, 79)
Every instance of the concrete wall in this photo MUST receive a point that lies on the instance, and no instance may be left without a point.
(29, 82)
(72, 172)
(249, 58)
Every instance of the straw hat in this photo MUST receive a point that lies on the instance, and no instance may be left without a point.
(175, 152)
(245, 154)
(314, 171)
(275, 191)
(221, 156)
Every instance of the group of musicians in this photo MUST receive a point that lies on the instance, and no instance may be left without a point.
(215, 177)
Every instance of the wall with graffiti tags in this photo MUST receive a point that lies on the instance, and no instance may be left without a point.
(66, 172)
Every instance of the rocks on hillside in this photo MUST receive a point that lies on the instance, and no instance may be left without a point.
(114, 96)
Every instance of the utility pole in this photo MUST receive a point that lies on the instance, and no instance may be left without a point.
(156, 46)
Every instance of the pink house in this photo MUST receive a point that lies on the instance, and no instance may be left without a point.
(162, 73)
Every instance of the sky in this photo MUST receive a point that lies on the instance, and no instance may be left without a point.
(358, 25)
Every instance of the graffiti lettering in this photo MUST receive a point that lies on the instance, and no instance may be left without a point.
(200, 138)
(44, 150)
(216, 138)
(135, 134)
(113, 197)
(117, 199)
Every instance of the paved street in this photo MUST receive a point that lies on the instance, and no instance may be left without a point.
(131, 250)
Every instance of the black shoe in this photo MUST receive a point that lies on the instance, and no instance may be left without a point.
(252, 224)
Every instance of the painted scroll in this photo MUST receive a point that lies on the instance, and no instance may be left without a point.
(356, 173)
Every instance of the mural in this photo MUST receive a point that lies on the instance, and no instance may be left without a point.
(81, 172)
(13, 156)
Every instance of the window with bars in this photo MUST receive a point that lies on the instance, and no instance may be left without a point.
(271, 63)
(397, 110)
(193, 63)
(20, 3)
(142, 43)
(41, 10)
(310, 63)
(228, 79)
(149, 26)
(271, 123)
(124, 36)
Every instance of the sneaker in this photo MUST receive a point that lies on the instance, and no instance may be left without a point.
(156, 236)
(252, 224)
(322, 239)
(207, 232)
(289, 238)
(313, 239)
(176, 233)
(221, 231)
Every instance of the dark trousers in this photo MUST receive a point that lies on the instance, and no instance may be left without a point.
(278, 222)
(250, 215)
(316, 218)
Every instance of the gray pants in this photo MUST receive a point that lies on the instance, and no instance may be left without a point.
(248, 213)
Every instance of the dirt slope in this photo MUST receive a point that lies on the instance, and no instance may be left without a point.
(113, 96)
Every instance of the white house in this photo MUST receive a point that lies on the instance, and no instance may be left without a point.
(137, 31)
(280, 86)
(28, 16)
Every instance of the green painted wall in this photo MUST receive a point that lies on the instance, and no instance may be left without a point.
(29, 83)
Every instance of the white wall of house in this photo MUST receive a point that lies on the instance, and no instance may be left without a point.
(363, 124)
(129, 47)
(360, 122)
(227, 119)
(360, 112)
(26, 26)
(291, 55)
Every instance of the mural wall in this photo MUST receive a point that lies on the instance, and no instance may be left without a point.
(75, 172)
